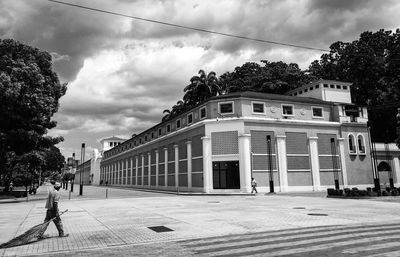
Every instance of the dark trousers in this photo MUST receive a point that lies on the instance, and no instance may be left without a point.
(57, 221)
(253, 188)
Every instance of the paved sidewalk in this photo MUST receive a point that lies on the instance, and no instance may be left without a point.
(120, 226)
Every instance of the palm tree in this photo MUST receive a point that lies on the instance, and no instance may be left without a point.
(167, 115)
(178, 108)
(201, 88)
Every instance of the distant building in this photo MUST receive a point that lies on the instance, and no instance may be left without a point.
(85, 176)
(304, 139)
(91, 167)
(387, 162)
(110, 142)
(326, 90)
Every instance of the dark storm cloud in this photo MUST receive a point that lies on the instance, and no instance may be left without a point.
(341, 5)
(124, 72)
(60, 29)
(345, 20)
(136, 108)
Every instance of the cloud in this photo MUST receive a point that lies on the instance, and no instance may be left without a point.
(123, 73)
(61, 29)
(57, 57)
(341, 5)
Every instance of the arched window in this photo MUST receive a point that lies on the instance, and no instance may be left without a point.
(352, 144)
(384, 166)
(361, 144)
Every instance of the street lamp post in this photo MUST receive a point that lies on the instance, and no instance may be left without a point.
(73, 166)
(377, 183)
(334, 163)
(82, 168)
(271, 174)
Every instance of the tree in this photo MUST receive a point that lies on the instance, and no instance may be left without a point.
(29, 96)
(372, 64)
(201, 88)
(177, 109)
(68, 176)
(167, 114)
(271, 77)
(53, 161)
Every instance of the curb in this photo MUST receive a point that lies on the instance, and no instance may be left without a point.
(177, 193)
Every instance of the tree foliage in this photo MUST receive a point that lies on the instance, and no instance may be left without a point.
(29, 96)
(270, 77)
(372, 64)
(53, 160)
(201, 88)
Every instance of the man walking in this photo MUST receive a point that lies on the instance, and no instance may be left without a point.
(52, 211)
(253, 185)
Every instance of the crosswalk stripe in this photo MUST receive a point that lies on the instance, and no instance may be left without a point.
(370, 247)
(265, 234)
(331, 245)
(388, 254)
(282, 240)
(272, 232)
(260, 242)
(262, 251)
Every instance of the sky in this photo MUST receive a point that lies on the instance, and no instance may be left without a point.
(122, 73)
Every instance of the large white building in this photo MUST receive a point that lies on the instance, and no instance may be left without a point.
(305, 140)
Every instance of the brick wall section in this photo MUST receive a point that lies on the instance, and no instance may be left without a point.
(298, 159)
(327, 159)
(224, 142)
(197, 161)
(260, 158)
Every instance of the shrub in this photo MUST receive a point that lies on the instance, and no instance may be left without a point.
(332, 191)
(354, 191)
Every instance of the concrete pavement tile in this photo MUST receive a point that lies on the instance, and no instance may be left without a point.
(106, 224)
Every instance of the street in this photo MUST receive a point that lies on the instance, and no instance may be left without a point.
(261, 225)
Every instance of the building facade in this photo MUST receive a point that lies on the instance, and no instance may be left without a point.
(298, 142)
(91, 168)
(83, 173)
(387, 163)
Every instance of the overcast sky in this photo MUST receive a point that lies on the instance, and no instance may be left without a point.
(122, 73)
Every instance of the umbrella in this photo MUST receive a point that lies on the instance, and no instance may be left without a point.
(30, 235)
